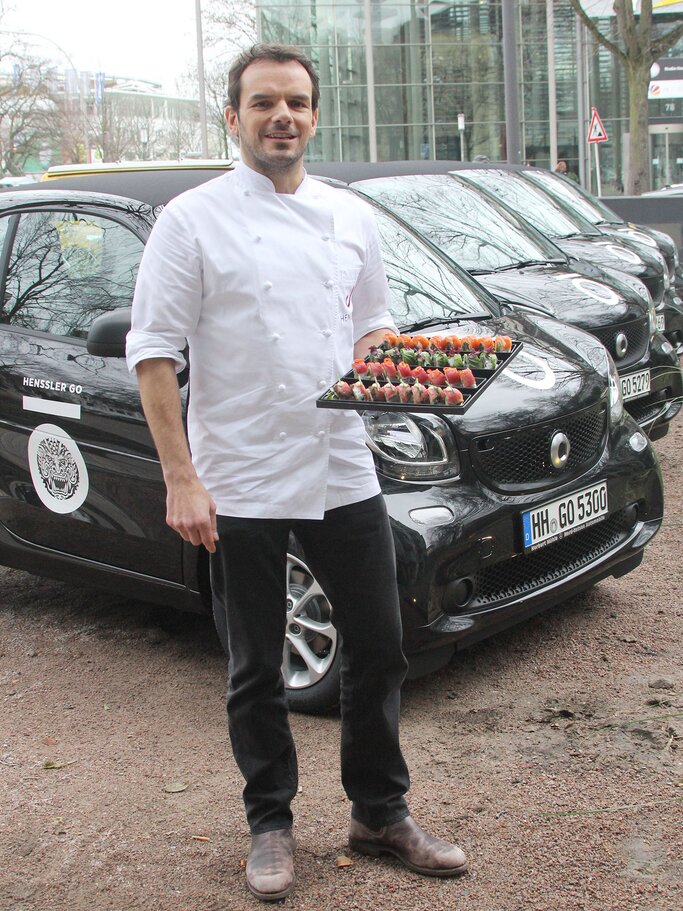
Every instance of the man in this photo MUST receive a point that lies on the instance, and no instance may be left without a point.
(563, 169)
(276, 282)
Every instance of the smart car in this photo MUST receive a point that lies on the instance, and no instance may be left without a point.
(543, 486)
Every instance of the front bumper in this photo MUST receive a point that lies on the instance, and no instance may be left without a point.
(470, 577)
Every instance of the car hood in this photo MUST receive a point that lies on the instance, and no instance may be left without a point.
(609, 253)
(580, 294)
(560, 369)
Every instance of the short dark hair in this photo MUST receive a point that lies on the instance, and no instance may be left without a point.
(279, 53)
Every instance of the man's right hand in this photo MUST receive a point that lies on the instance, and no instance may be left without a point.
(192, 513)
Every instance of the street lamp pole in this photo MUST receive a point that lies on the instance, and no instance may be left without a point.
(514, 151)
(200, 78)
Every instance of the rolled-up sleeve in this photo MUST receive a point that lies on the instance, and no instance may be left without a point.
(371, 296)
(168, 293)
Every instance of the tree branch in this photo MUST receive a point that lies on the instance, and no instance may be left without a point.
(660, 45)
(595, 31)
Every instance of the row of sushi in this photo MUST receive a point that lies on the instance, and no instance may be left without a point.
(387, 370)
(441, 350)
(400, 393)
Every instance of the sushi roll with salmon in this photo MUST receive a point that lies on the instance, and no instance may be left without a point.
(452, 396)
(467, 378)
(360, 392)
(342, 390)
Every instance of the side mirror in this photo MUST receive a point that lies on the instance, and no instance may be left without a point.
(107, 335)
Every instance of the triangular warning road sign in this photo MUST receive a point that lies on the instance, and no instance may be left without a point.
(596, 130)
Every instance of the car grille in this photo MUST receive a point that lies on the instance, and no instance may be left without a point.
(645, 410)
(520, 460)
(512, 578)
(637, 333)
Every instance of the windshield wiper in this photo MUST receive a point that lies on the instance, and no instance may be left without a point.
(444, 320)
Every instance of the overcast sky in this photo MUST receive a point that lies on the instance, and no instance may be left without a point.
(144, 39)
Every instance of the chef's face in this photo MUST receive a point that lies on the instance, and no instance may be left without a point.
(275, 119)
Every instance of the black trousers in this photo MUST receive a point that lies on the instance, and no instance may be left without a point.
(351, 553)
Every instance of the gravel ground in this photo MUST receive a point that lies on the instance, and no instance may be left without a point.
(552, 754)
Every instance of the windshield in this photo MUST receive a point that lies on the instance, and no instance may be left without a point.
(425, 286)
(478, 234)
(570, 195)
(530, 203)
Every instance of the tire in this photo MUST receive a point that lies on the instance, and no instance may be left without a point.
(311, 657)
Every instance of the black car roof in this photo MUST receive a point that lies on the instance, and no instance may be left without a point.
(154, 187)
(352, 171)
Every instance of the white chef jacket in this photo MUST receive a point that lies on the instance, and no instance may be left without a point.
(270, 290)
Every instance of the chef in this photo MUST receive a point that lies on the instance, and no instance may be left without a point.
(276, 282)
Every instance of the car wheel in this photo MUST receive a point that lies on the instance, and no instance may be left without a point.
(311, 655)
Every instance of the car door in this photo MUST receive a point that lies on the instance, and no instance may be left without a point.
(78, 471)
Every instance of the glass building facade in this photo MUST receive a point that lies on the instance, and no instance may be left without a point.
(396, 74)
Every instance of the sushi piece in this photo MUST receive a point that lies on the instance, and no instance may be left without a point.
(503, 343)
(452, 375)
(390, 369)
(360, 392)
(342, 390)
(467, 378)
(420, 374)
(436, 378)
(375, 370)
(391, 393)
(404, 370)
(360, 369)
(452, 396)
(405, 393)
(420, 394)
(409, 356)
(376, 392)
(436, 396)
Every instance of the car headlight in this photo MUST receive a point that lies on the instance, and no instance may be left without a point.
(616, 401)
(652, 318)
(412, 447)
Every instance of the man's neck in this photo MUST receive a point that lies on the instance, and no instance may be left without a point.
(285, 180)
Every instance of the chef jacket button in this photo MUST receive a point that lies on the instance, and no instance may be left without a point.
(322, 383)
(257, 238)
(282, 388)
(329, 283)
(283, 435)
(326, 236)
(267, 286)
(327, 333)
(276, 336)
(321, 434)
(247, 192)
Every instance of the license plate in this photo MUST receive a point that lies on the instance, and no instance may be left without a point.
(634, 385)
(660, 322)
(564, 517)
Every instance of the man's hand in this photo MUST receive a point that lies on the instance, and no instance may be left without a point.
(192, 513)
(189, 509)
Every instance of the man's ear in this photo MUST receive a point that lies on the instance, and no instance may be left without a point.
(315, 121)
(232, 121)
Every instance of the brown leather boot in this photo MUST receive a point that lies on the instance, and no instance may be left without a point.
(412, 845)
(270, 867)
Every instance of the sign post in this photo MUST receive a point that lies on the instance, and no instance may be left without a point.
(461, 128)
(597, 134)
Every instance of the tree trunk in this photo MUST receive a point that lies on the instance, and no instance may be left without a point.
(638, 177)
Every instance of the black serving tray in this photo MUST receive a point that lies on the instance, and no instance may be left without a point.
(483, 377)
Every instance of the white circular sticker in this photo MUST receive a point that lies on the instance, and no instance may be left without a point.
(57, 469)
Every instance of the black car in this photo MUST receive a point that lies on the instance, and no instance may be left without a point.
(542, 487)
(580, 202)
(520, 267)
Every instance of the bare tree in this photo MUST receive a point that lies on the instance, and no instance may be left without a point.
(640, 45)
(230, 25)
(26, 104)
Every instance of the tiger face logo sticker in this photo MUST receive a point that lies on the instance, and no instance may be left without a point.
(57, 469)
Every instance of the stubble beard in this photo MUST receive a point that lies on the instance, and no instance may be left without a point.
(288, 159)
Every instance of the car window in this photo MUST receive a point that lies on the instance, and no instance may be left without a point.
(528, 202)
(561, 189)
(424, 286)
(475, 232)
(67, 268)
